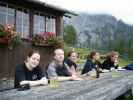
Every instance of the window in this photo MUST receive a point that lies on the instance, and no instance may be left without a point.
(6, 14)
(20, 17)
(50, 25)
(39, 24)
(3, 14)
(22, 23)
(11, 15)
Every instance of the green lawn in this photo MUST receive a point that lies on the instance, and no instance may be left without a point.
(123, 62)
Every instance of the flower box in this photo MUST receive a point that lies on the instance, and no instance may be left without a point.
(5, 41)
(40, 44)
(48, 39)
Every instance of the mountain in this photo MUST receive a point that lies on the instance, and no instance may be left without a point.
(99, 30)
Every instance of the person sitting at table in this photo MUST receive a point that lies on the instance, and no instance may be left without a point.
(111, 61)
(92, 62)
(58, 69)
(29, 72)
(71, 61)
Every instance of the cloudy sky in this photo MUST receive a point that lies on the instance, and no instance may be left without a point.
(121, 9)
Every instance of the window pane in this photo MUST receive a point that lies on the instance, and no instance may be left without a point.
(25, 25)
(6, 15)
(26, 19)
(2, 19)
(42, 23)
(25, 32)
(36, 31)
(39, 24)
(3, 9)
(50, 25)
(53, 25)
(19, 19)
(19, 29)
(10, 19)
(19, 22)
(3, 12)
(10, 11)
(22, 23)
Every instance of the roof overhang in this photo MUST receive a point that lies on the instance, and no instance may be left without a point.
(41, 6)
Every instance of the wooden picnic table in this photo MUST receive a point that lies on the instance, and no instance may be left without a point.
(108, 87)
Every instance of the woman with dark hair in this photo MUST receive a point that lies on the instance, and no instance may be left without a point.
(71, 61)
(29, 72)
(92, 62)
(111, 61)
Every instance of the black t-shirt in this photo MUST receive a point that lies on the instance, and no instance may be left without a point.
(71, 63)
(62, 71)
(22, 73)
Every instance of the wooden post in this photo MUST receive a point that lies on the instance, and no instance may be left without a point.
(31, 23)
(59, 25)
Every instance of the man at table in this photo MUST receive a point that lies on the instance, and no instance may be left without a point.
(58, 69)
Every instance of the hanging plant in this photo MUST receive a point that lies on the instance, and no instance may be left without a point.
(8, 36)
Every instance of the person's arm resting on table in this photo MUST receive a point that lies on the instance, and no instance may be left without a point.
(43, 81)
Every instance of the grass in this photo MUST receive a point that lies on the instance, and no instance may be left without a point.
(123, 62)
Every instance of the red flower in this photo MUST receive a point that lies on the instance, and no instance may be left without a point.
(46, 35)
(8, 28)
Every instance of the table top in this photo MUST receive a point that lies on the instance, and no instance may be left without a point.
(108, 87)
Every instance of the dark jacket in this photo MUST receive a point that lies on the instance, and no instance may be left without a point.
(89, 65)
(71, 63)
(108, 64)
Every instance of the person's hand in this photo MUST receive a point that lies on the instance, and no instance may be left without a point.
(78, 79)
(112, 69)
(100, 70)
(74, 77)
(24, 82)
(86, 74)
(105, 70)
(44, 81)
(116, 62)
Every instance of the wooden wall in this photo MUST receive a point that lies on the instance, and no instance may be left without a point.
(9, 58)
